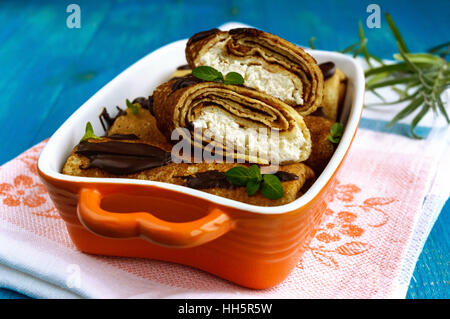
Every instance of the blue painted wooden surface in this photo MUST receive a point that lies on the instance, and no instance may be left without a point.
(48, 70)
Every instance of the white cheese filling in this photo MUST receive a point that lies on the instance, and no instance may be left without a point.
(278, 147)
(279, 85)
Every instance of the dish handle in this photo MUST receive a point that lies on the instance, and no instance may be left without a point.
(142, 224)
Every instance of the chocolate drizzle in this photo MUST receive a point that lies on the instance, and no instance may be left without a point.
(285, 176)
(208, 179)
(250, 32)
(184, 67)
(106, 120)
(122, 158)
(216, 179)
(328, 69)
(185, 81)
(146, 103)
(202, 35)
(123, 137)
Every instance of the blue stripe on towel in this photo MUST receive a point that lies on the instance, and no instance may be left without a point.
(398, 128)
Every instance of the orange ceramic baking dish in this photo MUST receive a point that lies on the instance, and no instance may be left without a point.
(250, 245)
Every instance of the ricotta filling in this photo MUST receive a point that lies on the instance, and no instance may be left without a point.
(254, 140)
(279, 85)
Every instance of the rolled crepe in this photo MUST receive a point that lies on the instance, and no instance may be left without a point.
(334, 94)
(322, 149)
(142, 124)
(267, 63)
(231, 121)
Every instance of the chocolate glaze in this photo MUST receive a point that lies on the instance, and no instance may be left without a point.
(122, 158)
(285, 176)
(123, 137)
(208, 179)
(185, 81)
(251, 32)
(216, 179)
(146, 103)
(202, 35)
(318, 112)
(184, 67)
(106, 120)
(328, 69)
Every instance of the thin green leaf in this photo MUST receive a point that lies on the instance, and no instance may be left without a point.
(404, 99)
(389, 68)
(405, 58)
(377, 78)
(440, 49)
(133, 106)
(417, 119)
(439, 46)
(379, 60)
(420, 58)
(334, 140)
(396, 33)
(363, 39)
(378, 95)
(401, 93)
(89, 133)
(390, 82)
(442, 108)
(406, 111)
(360, 49)
(350, 48)
(311, 42)
(336, 131)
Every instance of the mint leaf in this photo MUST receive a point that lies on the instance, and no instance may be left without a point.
(271, 187)
(336, 131)
(89, 132)
(207, 73)
(233, 78)
(334, 140)
(252, 179)
(134, 107)
(238, 175)
(255, 173)
(252, 187)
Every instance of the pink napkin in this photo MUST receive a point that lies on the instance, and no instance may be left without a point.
(386, 201)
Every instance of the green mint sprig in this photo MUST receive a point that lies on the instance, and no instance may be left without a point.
(336, 131)
(133, 106)
(418, 78)
(89, 132)
(253, 181)
(208, 73)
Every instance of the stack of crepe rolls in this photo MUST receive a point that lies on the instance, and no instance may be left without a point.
(282, 85)
(266, 62)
